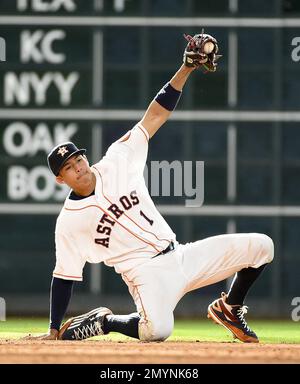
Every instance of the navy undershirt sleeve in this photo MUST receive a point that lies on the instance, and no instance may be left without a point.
(60, 295)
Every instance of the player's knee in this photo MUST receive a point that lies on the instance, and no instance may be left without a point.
(265, 247)
(269, 247)
(155, 330)
(161, 334)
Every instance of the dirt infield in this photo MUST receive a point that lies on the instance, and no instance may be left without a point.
(107, 352)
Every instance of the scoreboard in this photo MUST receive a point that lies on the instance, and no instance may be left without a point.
(70, 60)
(47, 69)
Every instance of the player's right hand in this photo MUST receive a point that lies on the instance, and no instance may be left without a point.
(51, 335)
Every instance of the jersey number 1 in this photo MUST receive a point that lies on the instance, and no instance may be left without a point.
(147, 218)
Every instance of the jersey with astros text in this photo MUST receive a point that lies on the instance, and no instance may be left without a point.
(119, 224)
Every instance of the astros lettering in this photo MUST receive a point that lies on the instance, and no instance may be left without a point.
(127, 203)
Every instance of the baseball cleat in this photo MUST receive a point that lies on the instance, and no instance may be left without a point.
(232, 318)
(84, 326)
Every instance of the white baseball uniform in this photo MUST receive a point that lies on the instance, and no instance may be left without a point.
(121, 226)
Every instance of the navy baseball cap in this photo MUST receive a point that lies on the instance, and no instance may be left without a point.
(60, 154)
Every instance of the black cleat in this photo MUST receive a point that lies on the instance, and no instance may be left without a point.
(84, 326)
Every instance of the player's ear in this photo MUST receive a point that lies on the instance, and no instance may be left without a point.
(59, 180)
(85, 158)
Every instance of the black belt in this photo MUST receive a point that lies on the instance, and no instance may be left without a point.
(169, 248)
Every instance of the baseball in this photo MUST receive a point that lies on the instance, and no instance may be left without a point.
(208, 47)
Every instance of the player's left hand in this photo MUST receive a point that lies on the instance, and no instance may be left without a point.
(51, 335)
(201, 50)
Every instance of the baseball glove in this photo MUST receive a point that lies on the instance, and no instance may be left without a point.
(201, 50)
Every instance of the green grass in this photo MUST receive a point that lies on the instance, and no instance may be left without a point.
(275, 331)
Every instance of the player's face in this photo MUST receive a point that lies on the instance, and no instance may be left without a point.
(76, 173)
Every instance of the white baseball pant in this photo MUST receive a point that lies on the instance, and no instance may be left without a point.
(161, 282)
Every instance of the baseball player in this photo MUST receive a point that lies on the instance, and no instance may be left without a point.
(110, 217)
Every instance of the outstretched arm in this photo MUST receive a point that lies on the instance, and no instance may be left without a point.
(201, 50)
(61, 293)
(156, 114)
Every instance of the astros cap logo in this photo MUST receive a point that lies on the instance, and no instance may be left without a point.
(62, 151)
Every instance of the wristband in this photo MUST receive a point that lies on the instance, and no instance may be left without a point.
(168, 97)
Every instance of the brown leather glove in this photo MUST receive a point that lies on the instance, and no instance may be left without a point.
(201, 50)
